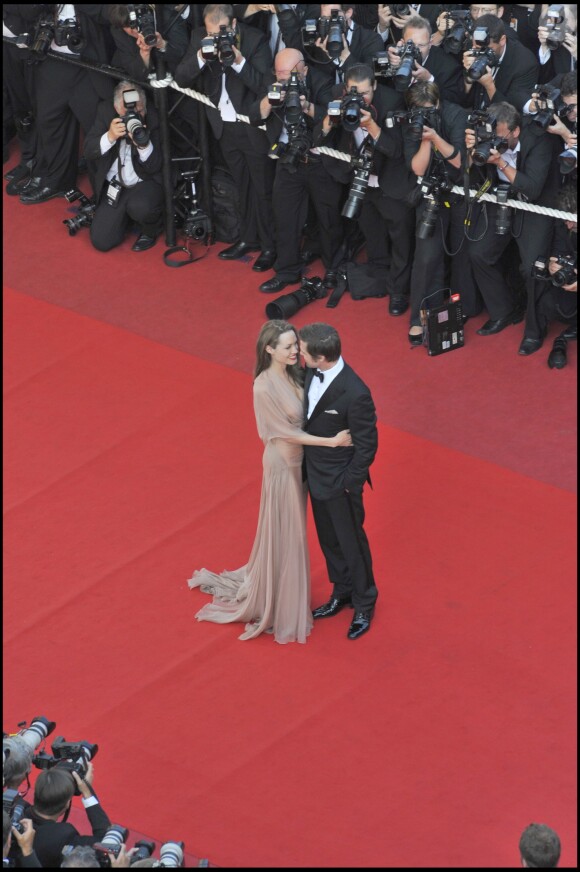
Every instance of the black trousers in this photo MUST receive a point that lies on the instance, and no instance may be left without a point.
(142, 204)
(533, 235)
(19, 82)
(339, 525)
(389, 229)
(254, 175)
(290, 202)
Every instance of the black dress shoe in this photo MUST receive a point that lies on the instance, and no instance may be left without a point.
(237, 250)
(144, 242)
(17, 186)
(528, 346)
(38, 195)
(558, 358)
(361, 624)
(308, 256)
(272, 286)
(265, 261)
(491, 326)
(330, 279)
(332, 607)
(416, 339)
(570, 332)
(19, 172)
(398, 304)
(31, 184)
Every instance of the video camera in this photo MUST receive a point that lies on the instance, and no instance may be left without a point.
(549, 102)
(220, 46)
(555, 22)
(564, 276)
(71, 756)
(288, 95)
(348, 110)
(484, 56)
(458, 29)
(414, 119)
(333, 27)
(86, 211)
(358, 187)
(483, 125)
(133, 121)
(288, 304)
(142, 18)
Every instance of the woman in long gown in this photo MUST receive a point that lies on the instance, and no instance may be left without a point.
(272, 592)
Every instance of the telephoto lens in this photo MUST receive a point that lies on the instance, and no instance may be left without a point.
(171, 854)
(426, 227)
(38, 730)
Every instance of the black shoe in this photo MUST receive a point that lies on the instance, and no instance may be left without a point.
(19, 172)
(31, 184)
(38, 195)
(361, 624)
(237, 250)
(529, 346)
(398, 304)
(17, 186)
(144, 242)
(308, 256)
(330, 279)
(416, 339)
(265, 261)
(557, 359)
(272, 286)
(570, 332)
(490, 327)
(465, 319)
(332, 607)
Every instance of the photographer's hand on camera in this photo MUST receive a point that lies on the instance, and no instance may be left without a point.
(123, 859)
(117, 130)
(385, 17)
(345, 53)
(85, 783)
(145, 50)
(554, 267)
(26, 839)
(486, 80)
(571, 44)
(367, 122)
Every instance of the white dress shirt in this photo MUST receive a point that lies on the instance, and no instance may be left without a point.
(317, 387)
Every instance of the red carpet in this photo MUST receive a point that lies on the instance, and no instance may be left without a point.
(431, 742)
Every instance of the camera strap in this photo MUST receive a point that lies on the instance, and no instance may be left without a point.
(185, 248)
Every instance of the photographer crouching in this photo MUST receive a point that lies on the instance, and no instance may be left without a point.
(128, 155)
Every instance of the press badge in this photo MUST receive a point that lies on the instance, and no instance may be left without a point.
(113, 191)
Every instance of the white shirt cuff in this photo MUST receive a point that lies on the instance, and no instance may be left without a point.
(544, 54)
(105, 143)
(90, 801)
(239, 67)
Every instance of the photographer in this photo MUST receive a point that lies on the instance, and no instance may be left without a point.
(67, 95)
(558, 52)
(300, 172)
(435, 64)
(385, 219)
(520, 156)
(53, 793)
(231, 62)
(19, 83)
(24, 839)
(437, 157)
(137, 37)
(128, 157)
(509, 74)
(554, 107)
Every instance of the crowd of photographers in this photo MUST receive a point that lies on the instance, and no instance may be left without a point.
(38, 834)
(417, 99)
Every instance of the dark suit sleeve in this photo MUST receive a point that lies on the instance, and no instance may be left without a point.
(105, 114)
(257, 71)
(188, 68)
(531, 179)
(368, 44)
(362, 423)
(518, 89)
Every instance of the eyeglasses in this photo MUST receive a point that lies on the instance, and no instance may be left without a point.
(483, 10)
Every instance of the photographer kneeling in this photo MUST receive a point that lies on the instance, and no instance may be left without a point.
(128, 176)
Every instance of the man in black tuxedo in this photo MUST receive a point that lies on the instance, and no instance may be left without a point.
(128, 174)
(232, 84)
(335, 398)
(564, 58)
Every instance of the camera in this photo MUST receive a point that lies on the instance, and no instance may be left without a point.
(358, 187)
(71, 756)
(332, 27)
(549, 102)
(382, 66)
(503, 220)
(219, 47)
(458, 30)
(86, 211)
(111, 843)
(403, 74)
(484, 56)
(142, 18)
(68, 33)
(400, 11)
(194, 222)
(348, 110)
(568, 160)
(290, 97)
(564, 276)
(14, 807)
(288, 304)
(484, 126)
(171, 854)
(414, 119)
(37, 732)
(133, 121)
(41, 38)
(294, 151)
(437, 185)
(555, 22)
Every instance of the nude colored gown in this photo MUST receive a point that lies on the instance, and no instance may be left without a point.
(272, 592)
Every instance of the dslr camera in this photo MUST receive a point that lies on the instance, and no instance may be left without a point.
(549, 102)
(71, 756)
(194, 222)
(403, 74)
(220, 46)
(348, 110)
(414, 120)
(133, 121)
(68, 33)
(400, 10)
(568, 160)
(288, 304)
(484, 56)
(485, 137)
(86, 211)
(288, 95)
(438, 185)
(555, 22)
(332, 27)
(14, 807)
(358, 187)
(40, 40)
(564, 276)
(142, 18)
(458, 30)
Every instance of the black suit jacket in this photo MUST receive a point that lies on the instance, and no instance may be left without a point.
(149, 169)
(331, 471)
(318, 92)
(52, 836)
(560, 61)
(447, 73)
(242, 88)
(128, 57)
(451, 126)
(514, 81)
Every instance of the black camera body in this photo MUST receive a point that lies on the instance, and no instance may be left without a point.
(86, 211)
(193, 221)
(14, 807)
(549, 102)
(382, 65)
(414, 120)
(133, 121)
(362, 164)
(288, 304)
(555, 22)
(70, 756)
(403, 74)
(400, 10)
(40, 40)
(503, 220)
(484, 126)
(568, 159)
(220, 46)
(333, 27)
(111, 843)
(347, 111)
(68, 33)
(564, 276)
(437, 185)
(483, 54)
(460, 26)
(142, 18)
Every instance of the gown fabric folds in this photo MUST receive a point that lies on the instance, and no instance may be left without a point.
(272, 592)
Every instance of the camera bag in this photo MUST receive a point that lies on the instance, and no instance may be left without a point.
(362, 280)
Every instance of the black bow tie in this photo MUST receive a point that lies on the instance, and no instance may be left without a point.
(319, 374)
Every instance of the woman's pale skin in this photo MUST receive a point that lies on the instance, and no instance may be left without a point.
(284, 354)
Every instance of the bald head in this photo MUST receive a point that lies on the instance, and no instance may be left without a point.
(287, 61)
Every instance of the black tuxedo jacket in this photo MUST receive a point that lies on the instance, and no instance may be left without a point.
(243, 87)
(447, 73)
(149, 169)
(128, 57)
(346, 404)
(515, 79)
(560, 61)
(318, 91)
(52, 836)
